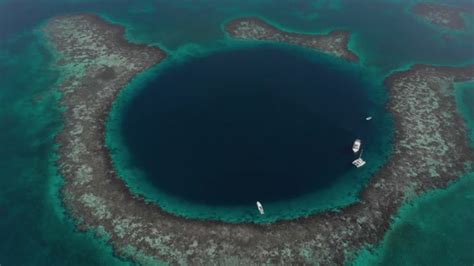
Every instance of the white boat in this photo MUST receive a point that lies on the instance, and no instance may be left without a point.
(356, 145)
(260, 208)
(368, 118)
(359, 162)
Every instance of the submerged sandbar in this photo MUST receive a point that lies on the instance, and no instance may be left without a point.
(430, 150)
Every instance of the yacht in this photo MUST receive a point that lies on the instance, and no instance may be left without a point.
(356, 145)
(368, 118)
(260, 208)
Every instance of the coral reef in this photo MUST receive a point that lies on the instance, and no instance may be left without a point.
(252, 28)
(441, 15)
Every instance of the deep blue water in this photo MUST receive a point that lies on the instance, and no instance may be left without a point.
(251, 124)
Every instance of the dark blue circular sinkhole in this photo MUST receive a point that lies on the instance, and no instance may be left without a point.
(252, 124)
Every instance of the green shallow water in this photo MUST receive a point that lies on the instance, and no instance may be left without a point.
(465, 100)
(35, 230)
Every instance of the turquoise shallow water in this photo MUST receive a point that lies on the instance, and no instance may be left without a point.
(34, 230)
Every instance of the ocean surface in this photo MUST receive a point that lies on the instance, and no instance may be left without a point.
(435, 229)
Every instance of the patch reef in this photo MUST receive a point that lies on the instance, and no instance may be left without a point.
(251, 28)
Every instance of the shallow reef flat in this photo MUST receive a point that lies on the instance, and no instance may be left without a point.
(441, 15)
(430, 150)
(252, 28)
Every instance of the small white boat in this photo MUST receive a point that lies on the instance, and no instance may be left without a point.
(359, 162)
(356, 145)
(368, 118)
(260, 208)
